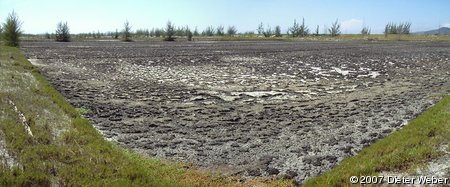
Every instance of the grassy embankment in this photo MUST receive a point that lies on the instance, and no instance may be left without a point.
(64, 149)
(403, 150)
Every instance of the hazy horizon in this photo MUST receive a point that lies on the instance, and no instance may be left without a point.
(85, 16)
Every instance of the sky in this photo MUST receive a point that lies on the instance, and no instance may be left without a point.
(42, 16)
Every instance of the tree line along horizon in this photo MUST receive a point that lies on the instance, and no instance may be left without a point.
(10, 31)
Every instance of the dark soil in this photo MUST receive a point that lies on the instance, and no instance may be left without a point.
(291, 109)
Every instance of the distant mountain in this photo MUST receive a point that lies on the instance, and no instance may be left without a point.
(442, 31)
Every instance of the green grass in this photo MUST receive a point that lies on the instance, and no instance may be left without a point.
(403, 150)
(66, 150)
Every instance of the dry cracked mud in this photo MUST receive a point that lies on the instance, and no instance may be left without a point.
(291, 109)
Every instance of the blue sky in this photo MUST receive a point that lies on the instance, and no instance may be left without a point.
(40, 16)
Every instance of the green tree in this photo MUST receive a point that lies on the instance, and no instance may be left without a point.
(277, 31)
(196, 32)
(62, 32)
(260, 28)
(317, 30)
(11, 30)
(231, 31)
(188, 33)
(365, 30)
(170, 32)
(303, 30)
(335, 28)
(116, 34)
(294, 30)
(126, 33)
(209, 31)
(220, 30)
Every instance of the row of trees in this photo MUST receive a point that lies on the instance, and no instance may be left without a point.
(11, 31)
(401, 28)
(297, 30)
(169, 33)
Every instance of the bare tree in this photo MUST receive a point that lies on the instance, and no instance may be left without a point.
(317, 30)
(11, 30)
(62, 32)
(335, 28)
(126, 33)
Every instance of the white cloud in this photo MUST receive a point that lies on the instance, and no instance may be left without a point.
(351, 24)
(446, 25)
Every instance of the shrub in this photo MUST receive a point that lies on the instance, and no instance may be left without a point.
(335, 29)
(62, 32)
(11, 30)
(116, 34)
(170, 32)
(158, 32)
(365, 30)
(180, 31)
(126, 33)
(220, 31)
(268, 32)
(196, 32)
(47, 36)
(231, 31)
(209, 31)
(188, 34)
